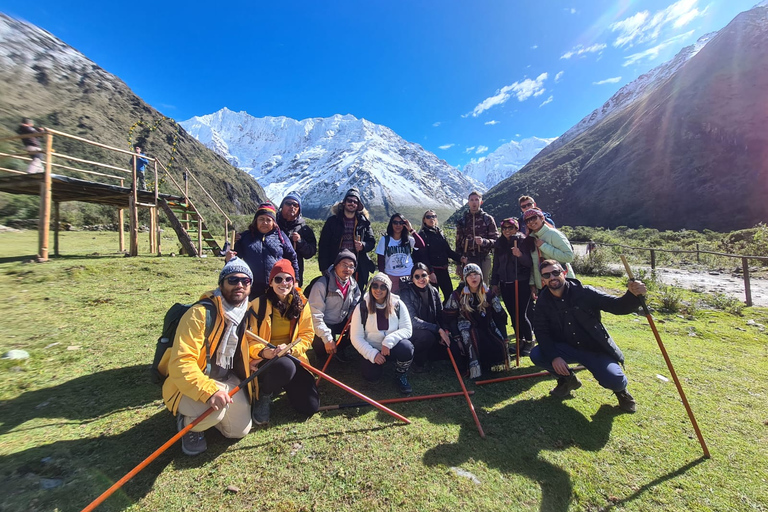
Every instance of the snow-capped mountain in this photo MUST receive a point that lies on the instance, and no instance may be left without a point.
(627, 95)
(505, 161)
(321, 158)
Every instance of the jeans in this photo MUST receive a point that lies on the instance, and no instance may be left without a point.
(402, 354)
(603, 367)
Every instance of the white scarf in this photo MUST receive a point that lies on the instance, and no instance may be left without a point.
(225, 355)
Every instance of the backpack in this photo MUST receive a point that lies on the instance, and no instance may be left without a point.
(306, 291)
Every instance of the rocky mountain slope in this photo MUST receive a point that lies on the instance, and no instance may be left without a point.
(505, 161)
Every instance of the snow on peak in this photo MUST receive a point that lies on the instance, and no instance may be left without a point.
(505, 161)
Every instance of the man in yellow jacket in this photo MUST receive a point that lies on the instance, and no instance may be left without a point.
(201, 371)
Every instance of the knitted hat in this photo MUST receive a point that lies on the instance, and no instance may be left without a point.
(292, 196)
(533, 212)
(511, 221)
(267, 209)
(282, 266)
(235, 266)
(353, 192)
(384, 278)
(345, 254)
(472, 268)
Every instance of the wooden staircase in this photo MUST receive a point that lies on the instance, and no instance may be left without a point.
(190, 227)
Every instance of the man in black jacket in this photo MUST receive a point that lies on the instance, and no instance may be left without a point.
(567, 324)
(301, 236)
(348, 228)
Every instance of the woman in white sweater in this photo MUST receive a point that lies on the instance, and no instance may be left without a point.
(380, 330)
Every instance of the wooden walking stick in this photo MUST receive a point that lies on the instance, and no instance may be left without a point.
(393, 400)
(680, 391)
(466, 394)
(106, 494)
(516, 377)
(343, 331)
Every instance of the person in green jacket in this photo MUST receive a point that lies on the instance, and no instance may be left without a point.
(547, 244)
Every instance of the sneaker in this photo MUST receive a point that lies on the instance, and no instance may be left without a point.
(405, 386)
(565, 385)
(260, 410)
(192, 443)
(626, 401)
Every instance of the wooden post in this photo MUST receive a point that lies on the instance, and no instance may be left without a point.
(653, 259)
(151, 231)
(134, 213)
(226, 230)
(745, 271)
(45, 202)
(186, 200)
(157, 234)
(199, 236)
(120, 221)
(156, 184)
(697, 254)
(56, 226)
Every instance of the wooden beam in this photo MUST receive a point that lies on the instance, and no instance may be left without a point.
(45, 202)
(56, 227)
(92, 143)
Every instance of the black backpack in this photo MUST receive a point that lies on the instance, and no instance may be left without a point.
(306, 291)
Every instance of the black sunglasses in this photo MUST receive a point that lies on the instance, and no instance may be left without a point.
(420, 276)
(554, 273)
(377, 286)
(233, 280)
(526, 205)
(430, 216)
(398, 223)
(280, 279)
(292, 204)
(529, 219)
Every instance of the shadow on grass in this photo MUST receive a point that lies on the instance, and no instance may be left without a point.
(63, 257)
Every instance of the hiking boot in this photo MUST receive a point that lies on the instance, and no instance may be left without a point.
(260, 410)
(525, 348)
(403, 384)
(565, 385)
(626, 401)
(192, 443)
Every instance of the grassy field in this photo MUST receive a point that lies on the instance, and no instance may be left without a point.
(81, 412)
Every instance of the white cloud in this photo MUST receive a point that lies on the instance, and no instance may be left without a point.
(470, 149)
(481, 149)
(534, 47)
(522, 90)
(548, 100)
(493, 122)
(581, 50)
(613, 80)
(572, 10)
(642, 27)
(436, 124)
(652, 53)
(446, 146)
(559, 76)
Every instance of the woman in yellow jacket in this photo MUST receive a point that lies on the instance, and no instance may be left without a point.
(285, 318)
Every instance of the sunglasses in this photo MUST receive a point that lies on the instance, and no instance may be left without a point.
(377, 286)
(554, 273)
(351, 201)
(280, 279)
(233, 280)
(292, 204)
(530, 219)
(398, 223)
(526, 205)
(508, 227)
(420, 276)
(430, 217)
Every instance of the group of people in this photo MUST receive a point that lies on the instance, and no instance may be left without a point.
(397, 316)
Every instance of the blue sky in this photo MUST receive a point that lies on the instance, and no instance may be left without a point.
(448, 75)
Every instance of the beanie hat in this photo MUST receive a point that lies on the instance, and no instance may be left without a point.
(345, 254)
(353, 192)
(292, 196)
(511, 221)
(282, 266)
(384, 278)
(267, 209)
(533, 212)
(235, 266)
(472, 268)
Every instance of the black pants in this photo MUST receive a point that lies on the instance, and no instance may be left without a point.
(490, 351)
(402, 354)
(424, 346)
(299, 385)
(524, 296)
(318, 344)
(444, 282)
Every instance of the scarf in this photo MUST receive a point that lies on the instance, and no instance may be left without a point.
(225, 354)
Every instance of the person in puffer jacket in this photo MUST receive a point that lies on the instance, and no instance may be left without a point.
(301, 236)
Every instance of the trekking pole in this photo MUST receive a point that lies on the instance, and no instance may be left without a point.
(328, 361)
(106, 494)
(517, 316)
(672, 372)
(516, 377)
(393, 400)
(466, 393)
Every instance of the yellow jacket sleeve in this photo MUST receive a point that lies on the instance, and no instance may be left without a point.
(187, 364)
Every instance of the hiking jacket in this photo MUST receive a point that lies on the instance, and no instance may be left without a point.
(585, 304)
(368, 339)
(524, 228)
(438, 249)
(261, 252)
(508, 268)
(333, 231)
(28, 142)
(410, 296)
(469, 226)
(302, 329)
(306, 247)
(186, 361)
(328, 305)
(555, 247)
(468, 327)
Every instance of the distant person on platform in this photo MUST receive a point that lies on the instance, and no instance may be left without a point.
(301, 236)
(476, 234)
(141, 164)
(348, 228)
(567, 324)
(526, 203)
(31, 144)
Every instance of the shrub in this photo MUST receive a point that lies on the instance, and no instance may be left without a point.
(671, 298)
(594, 264)
(725, 303)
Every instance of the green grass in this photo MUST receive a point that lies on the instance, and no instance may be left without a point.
(82, 410)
